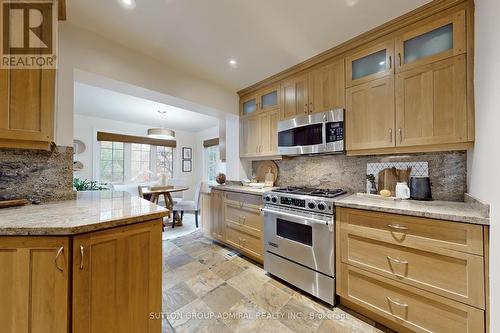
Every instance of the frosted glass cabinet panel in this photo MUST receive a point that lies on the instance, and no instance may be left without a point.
(370, 63)
(428, 44)
(441, 39)
(249, 106)
(269, 100)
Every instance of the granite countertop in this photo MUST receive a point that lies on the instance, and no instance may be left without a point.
(243, 189)
(468, 212)
(90, 211)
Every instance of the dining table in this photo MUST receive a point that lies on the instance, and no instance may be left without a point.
(155, 192)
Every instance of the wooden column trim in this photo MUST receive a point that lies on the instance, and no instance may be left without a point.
(104, 136)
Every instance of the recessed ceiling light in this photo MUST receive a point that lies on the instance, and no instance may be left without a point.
(129, 4)
(233, 63)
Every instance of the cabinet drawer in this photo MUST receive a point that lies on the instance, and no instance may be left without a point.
(245, 199)
(410, 307)
(452, 274)
(415, 232)
(247, 243)
(248, 217)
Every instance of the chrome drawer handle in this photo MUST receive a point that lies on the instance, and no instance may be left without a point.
(397, 303)
(61, 249)
(397, 227)
(399, 261)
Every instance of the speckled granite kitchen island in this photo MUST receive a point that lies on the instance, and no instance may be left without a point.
(91, 211)
(72, 266)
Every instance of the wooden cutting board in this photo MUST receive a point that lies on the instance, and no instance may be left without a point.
(13, 203)
(263, 168)
(387, 180)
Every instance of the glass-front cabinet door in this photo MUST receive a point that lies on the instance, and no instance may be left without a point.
(248, 105)
(370, 63)
(440, 39)
(269, 98)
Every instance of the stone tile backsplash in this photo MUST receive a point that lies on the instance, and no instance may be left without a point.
(447, 171)
(36, 174)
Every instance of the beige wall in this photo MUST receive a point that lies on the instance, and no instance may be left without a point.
(82, 50)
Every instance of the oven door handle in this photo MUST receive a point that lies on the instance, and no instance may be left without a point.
(295, 217)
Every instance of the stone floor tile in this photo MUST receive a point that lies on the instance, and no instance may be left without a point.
(177, 297)
(204, 282)
(299, 317)
(269, 297)
(210, 258)
(227, 269)
(222, 298)
(179, 260)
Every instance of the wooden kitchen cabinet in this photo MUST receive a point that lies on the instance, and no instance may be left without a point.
(431, 41)
(27, 110)
(431, 103)
(320, 89)
(206, 213)
(370, 63)
(244, 224)
(326, 87)
(34, 279)
(294, 97)
(259, 135)
(264, 100)
(117, 279)
(217, 216)
(410, 272)
(370, 116)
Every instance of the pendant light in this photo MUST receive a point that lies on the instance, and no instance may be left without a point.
(161, 133)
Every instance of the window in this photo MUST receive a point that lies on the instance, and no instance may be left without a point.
(141, 162)
(164, 161)
(112, 162)
(214, 166)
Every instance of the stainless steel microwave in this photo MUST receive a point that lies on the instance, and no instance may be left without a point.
(321, 132)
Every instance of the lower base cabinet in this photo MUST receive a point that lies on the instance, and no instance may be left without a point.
(236, 221)
(117, 280)
(34, 284)
(412, 274)
(107, 281)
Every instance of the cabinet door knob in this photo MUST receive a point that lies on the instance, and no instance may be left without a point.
(61, 250)
(400, 60)
(390, 62)
(81, 256)
(390, 134)
(400, 132)
(397, 303)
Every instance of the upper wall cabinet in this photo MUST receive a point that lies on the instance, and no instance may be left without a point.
(326, 87)
(294, 97)
(433, 41)
(264, 100)
(431, 104)
(370, 63)
(318, 90)
(27, 108)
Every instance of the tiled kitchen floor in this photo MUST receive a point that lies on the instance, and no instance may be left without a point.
(207, 290)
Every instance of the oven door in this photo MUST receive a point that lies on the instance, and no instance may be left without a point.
(305, 238)
(301, 135)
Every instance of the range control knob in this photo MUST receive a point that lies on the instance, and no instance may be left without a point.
(274, 199)
(321, 206)
(267, 198)
(311, 205)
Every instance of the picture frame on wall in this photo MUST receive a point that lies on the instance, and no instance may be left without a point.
(187, 153)
(187, 165)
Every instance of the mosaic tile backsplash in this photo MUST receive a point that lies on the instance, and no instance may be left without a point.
(418, 169)
(447, 171)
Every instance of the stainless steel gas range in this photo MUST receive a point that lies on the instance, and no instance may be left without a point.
(299, 236)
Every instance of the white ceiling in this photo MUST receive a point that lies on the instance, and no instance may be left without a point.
(264, 36)
(103, 103)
